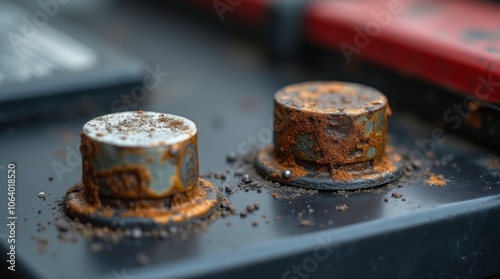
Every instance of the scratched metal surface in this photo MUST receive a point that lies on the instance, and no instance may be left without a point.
(226, 88)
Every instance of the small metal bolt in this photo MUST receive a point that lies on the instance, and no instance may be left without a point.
(286, 174)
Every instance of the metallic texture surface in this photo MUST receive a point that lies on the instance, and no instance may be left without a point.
(140, 165)
(330, 135)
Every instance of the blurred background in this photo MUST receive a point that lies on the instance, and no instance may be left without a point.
(218, 63)
(207, 60)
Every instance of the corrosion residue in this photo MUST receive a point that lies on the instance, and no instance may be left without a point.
(183, 207)
(126, 181)
(474, 120)
(436, 180)
(493, 164)
(176, 209)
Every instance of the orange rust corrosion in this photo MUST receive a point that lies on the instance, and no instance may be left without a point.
(180, 208)
(140, 168)
(330, 135)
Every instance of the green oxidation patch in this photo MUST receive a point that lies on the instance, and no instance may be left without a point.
(379, 122)
(368, 127)
(367, 123)
(161, 175)
(303, 147)
(361, 119)
(370, 153)
(189, 166)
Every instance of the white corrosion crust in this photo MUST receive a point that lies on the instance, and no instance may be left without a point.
(139, 129)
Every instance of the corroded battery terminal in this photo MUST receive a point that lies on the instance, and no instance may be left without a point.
(140, 168)
(330, 135)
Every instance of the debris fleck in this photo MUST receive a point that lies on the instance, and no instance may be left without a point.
(341, 207)
(250, 207)
(231, 157)
(436, 180)
(142, 259)
(305, 223)
(396, 195)
(136, 233)
(245, 178)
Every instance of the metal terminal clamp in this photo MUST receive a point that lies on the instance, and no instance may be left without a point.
(140, 168)
(330, 135)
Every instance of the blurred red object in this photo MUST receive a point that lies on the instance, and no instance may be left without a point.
(454, 44)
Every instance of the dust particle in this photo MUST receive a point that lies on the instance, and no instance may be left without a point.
(396, 195)
(250, 207)
(305, 223)
(142, 259)
(341, 207)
